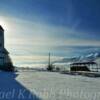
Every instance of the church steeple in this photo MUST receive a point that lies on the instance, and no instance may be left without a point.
(1, 28)
(5, 61)
(1, 37)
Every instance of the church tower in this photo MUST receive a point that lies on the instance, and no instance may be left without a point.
(1, 37)
(5, 61)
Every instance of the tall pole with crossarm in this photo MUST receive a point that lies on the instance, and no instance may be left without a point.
(49, 60)
(50, 67)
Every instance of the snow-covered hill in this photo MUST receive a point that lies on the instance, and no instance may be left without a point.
(83, 58)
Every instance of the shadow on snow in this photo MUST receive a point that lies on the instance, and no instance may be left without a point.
(11, 89)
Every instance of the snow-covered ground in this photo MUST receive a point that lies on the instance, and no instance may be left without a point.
(38, 85)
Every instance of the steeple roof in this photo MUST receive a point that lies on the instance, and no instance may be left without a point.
(1, 28)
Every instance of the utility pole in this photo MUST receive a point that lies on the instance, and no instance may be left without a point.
(49, 63)
(50, 67)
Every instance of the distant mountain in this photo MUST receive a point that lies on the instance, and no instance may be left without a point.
(93, 56)
(97, 54)
(67, 60)
(90, 57)
(85, 58)
(74, 59)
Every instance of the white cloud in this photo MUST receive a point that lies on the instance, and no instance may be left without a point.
(22, 36)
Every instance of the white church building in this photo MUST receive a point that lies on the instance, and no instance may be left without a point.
(4, 55)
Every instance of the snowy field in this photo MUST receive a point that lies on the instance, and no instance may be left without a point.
(35, 85)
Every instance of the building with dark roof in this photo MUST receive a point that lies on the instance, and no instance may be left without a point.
(84, 66)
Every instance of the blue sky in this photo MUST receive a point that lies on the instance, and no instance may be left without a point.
(64, 27)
